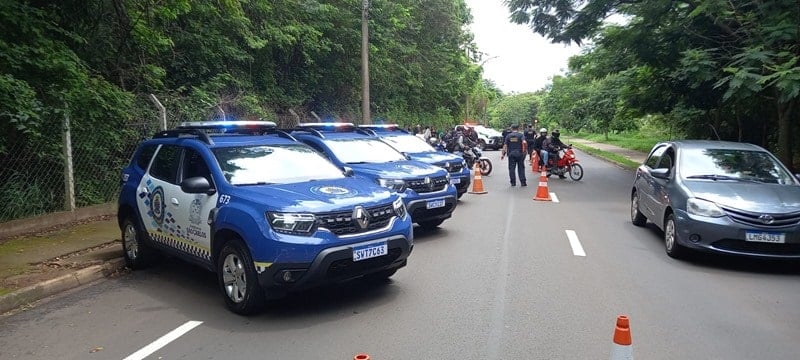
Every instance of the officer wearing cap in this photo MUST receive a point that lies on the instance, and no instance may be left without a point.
(515, 147)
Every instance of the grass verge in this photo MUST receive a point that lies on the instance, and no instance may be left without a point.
(633, 141)
(615, 158)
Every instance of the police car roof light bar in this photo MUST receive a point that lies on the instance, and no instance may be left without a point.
(383, 127)
(330, 127)
(238, 127)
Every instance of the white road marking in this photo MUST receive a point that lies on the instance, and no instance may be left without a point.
(163, 341)
(554, 197)
(577, 249)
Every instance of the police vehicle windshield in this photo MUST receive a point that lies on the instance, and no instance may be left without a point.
(364, 150)
(270, 164)
(408, 144)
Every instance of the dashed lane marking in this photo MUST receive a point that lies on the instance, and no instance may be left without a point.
(163, 341)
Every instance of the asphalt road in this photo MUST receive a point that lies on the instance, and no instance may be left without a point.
(500, 280)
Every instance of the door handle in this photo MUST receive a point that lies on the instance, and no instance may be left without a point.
(174, 201)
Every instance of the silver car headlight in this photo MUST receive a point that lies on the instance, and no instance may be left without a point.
(292, 223)
(700, 207)
(399, 208)
(395, 184)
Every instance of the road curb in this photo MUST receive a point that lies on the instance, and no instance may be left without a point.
(51, 287)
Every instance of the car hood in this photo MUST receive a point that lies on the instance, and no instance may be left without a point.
(766, 198)
(318, 196)
(410, 169)
(435, 157)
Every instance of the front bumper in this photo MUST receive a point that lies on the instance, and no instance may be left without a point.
(463, 184)
(332, 265)
(722, 235)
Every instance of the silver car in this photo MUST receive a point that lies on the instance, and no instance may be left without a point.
(719, 196)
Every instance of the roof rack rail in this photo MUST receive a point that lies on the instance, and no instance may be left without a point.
(258, 127)
(319, 128)
(176, 133)
(383, 127)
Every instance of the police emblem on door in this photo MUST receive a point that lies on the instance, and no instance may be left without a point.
(157, 205)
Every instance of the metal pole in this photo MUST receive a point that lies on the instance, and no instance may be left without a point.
(366, 118)
(69, 175)
(162, 111)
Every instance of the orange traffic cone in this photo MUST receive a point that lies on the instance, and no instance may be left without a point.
(535, 161)
(542, 193)
(622, 350)
(477, 181)
(361, 357)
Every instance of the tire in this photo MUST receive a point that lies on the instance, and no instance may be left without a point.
(236, 275)
(637, 218)
(460, 195)
(431, 224)
(674, 250)
(576, 172)
(486, 167)
(136, 253)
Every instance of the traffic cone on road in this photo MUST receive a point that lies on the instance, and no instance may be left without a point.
(361, 357)
(622, 350)
(477, 180)
(542, 194)
(535, 162)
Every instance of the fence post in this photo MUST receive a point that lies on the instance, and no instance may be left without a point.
(162, 112)
(69, 176)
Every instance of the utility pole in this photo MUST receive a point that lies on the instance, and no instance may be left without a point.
(366, 118)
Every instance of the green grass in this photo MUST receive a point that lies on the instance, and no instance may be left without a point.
(629, 140)
(615, 158)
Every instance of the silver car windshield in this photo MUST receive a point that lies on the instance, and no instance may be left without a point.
(268, 164)
(363, 150)
(735, 165)
(408, 144)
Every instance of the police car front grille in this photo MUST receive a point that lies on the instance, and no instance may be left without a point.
(342, 222)
(421, 186)
(451, 167)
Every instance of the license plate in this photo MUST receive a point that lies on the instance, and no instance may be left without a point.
(455, 181)
(433, 204)
(369, 251)
(767, 237)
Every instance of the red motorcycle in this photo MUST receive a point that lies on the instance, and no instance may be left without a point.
(567, 163)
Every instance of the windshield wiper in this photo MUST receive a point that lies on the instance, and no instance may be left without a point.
(717, 177)
(255, 183)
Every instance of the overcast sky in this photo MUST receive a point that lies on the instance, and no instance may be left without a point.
(525, 61)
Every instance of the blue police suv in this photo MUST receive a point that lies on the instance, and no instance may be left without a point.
(425, 189)
(418, 149)
(265, 212)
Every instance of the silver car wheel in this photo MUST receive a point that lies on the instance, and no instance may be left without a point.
(669, 234)
(634, 206)
(234, 278)
(131, 241)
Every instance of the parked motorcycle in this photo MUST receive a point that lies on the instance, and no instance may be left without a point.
(567, 163)
(475, 155)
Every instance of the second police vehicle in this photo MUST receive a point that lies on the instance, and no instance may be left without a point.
(418, 149)
(426, 189)
(265, 212)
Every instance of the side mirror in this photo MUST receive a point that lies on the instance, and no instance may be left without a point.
(660, 173)
(197, 185)
(348, 171)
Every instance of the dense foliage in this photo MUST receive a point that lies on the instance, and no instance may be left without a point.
(97, 62)
(705, 69)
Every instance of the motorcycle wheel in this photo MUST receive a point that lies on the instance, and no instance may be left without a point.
(576, 172)
(486, 167)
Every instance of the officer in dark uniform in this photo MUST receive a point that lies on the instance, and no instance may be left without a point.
(515, 147)
(530, 136)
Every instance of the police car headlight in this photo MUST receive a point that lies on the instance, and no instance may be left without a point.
(395, 184)
(399, 208)
(292, 223)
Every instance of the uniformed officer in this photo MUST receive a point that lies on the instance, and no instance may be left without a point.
(515, 147)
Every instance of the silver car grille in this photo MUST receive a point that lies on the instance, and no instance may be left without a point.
(762, 220)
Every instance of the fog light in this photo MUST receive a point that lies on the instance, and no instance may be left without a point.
(694, 238)
(289, 276)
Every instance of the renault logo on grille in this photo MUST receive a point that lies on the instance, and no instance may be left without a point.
(361, 216)
(428, 182)
(766, 219)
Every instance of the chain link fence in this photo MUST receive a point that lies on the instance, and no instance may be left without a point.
(50, 171)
